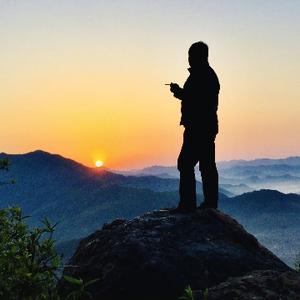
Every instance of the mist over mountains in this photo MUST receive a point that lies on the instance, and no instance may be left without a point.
(81, 199)
(241, 176)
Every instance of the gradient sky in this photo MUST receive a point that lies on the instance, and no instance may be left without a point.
(85, 79)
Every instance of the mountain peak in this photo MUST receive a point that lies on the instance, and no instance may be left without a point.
(34, 152)
(41, 157)
(39, 151)
(45, 154)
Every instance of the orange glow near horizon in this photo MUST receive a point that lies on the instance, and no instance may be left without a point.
(88, 82)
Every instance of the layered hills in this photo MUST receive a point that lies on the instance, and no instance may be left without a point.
(82, 199)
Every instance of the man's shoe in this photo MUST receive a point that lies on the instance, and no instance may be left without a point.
(205, 205)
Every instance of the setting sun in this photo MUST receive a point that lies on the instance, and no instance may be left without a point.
(99, 163)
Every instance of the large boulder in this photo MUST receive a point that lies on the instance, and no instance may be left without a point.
(157, 255)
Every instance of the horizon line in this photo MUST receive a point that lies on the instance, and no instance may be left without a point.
(154, 165)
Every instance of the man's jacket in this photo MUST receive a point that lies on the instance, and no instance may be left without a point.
(199, 103)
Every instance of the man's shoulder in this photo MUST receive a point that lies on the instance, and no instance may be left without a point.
(206, 75)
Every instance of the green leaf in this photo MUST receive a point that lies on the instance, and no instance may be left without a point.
(73, 280)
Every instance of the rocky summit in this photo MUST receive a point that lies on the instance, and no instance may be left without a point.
(157, 255)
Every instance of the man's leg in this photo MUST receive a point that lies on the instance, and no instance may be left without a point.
(186, 164)
(209, 173)
(187, 189)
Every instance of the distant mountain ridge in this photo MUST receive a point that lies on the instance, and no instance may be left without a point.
(82, 198)
(240, 176)
(291, 161)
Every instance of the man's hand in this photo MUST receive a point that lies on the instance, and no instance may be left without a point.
(176, 90)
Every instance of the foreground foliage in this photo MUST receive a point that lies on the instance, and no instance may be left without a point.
(28, 258)
(188, 294)
(29, 263)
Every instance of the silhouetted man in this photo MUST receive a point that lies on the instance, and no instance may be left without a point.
(199, 104)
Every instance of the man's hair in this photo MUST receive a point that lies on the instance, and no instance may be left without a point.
(199, 49)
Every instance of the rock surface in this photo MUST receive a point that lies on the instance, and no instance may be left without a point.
(258, 285)
(157, 255)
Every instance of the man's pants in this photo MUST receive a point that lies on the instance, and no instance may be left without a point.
(197, 147)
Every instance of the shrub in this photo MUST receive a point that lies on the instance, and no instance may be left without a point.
(28, 259)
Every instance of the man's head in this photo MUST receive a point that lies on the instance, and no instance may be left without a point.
(198, 53)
